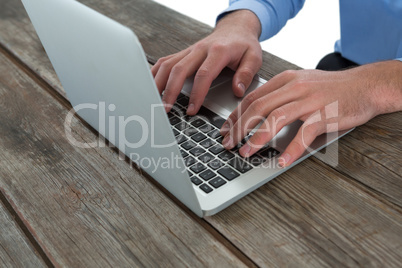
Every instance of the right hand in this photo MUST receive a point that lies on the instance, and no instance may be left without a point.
(234, 44)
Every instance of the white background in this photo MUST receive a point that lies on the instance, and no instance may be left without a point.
(303, 41)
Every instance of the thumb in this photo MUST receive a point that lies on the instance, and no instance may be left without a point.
(245, 73)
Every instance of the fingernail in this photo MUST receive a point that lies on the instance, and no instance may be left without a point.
(242, 87)
(245, 150)
(190, 108)
(284, 159)
(227, 142)
(225, 128)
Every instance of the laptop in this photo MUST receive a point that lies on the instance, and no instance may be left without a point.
(107, 79)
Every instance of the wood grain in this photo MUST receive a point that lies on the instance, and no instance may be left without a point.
(86, 207)
(375, 164)
(310, 217)
(15, 248)
(315, 215)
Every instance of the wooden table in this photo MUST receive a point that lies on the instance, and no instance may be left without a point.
(67, 206)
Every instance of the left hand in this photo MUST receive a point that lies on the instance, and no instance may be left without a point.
(325, 101)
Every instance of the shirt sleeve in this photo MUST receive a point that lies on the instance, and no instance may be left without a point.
(273, 14)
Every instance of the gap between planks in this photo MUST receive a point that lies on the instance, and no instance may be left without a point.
(373, 192)
(65, 103)
(25, 230)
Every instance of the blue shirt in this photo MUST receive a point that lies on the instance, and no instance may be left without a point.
(371, 30)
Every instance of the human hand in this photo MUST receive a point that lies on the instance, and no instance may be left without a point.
(325, 101)
(234, 44)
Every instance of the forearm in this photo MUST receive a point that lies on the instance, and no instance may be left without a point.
(387, 91)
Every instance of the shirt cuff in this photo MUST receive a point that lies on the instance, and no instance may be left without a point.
(264, 12)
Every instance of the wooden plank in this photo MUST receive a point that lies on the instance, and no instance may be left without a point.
(280, 224)
(86, 207)
(15, 248)
(379, 169)
(310, 217)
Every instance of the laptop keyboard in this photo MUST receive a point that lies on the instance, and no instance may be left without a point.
(209, 165)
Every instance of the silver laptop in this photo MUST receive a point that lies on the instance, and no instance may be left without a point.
(106, 76)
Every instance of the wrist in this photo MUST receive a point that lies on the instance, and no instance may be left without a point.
(243, 20)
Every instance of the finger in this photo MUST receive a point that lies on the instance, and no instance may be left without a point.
(301, 142)
(260, 109)
(163, 71)
(183, 69)
(208, 71)
(246, 122)
(273, 84)
(277, 119)
(249, 66)
(157, 65)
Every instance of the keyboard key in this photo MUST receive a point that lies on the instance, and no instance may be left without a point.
(236, 148)
(216, 149)
(207, 114)
(205, 158)
(269, 153)
(178, 111)
(197, 151)
(187, 118)
(198, 122)
(181, 95)
(197, 168)
(189, 161)
(207, 175)
(195, 180)
(226, 155)
(214, 134)
(181, 126)
(184, 154)
(255, 160)
(218, 122)
(198, 137)
(189, 173)
(180, 138)
(190, 131)
(175, 132)
(206, 128)
(240, 165)
(219, 140)
(207, 143)
(216, 164)
(211, 117)
(206, 188)
(183, 101)
(217, 182)
(228, 173)
(174, 120)
(188, 145)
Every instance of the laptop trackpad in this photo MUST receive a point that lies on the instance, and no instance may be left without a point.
(223, 96)
(220, 98)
